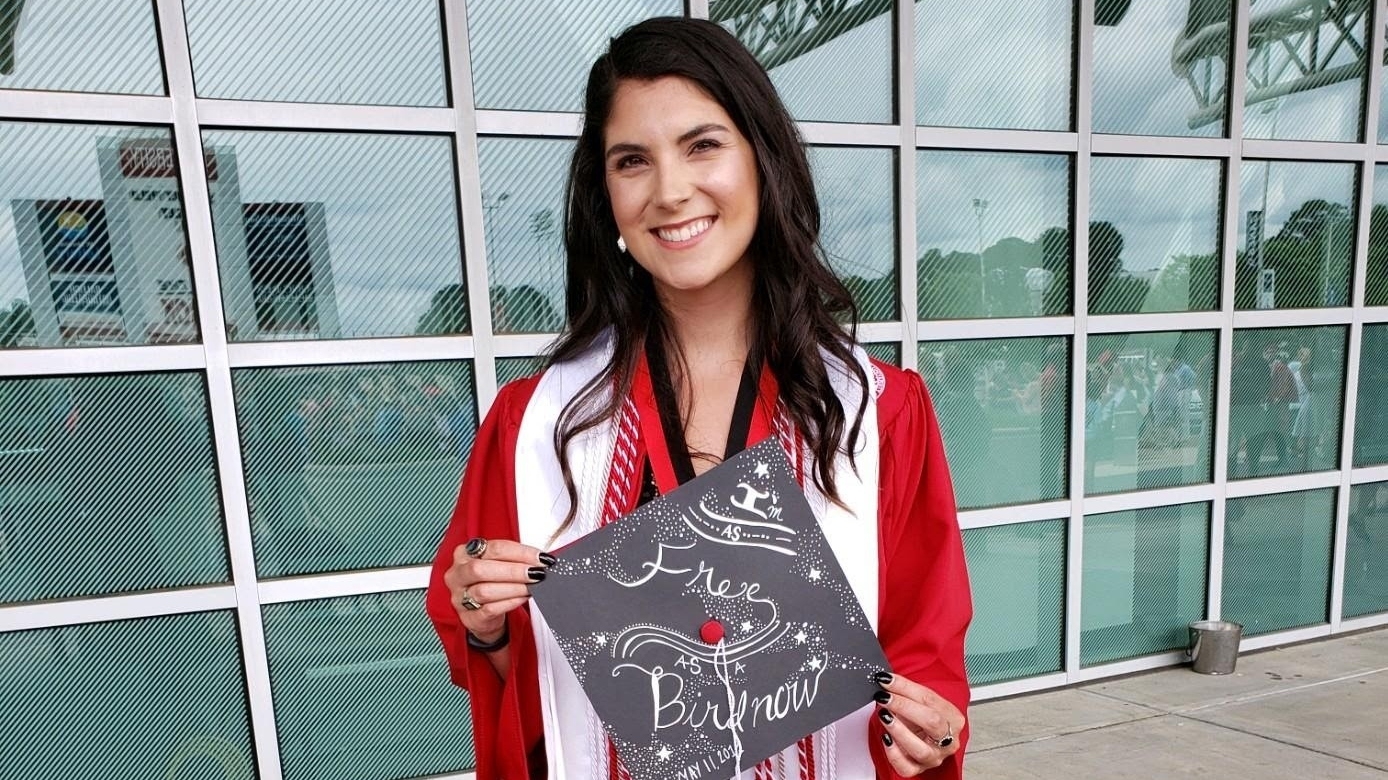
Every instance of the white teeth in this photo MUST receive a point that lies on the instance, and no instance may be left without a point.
(685, 233)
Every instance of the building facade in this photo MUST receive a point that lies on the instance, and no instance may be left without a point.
(264, 265)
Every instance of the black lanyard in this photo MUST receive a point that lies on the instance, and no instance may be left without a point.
(671, 424)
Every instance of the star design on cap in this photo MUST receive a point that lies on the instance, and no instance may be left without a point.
(802, 636)
(600, 640)
(761, 469)
(814, 663)
(746, 625)
(815, 574)
(664, 753)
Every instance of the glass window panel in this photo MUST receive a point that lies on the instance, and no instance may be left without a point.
(1004, 408)
(1153, 235)
(1366, 551)
(93, 249)
(1160, 68)
(1286, 395)
(1017, 575)
(361, 690)
(1296, 234)
(993, 232)
(855, 189)
(80, 46)
(1383, 110)
(1277, 560)
(534, 55)
(336, 235)
(1306, 67)
(107, 485)
(1371, 413)
(511, 369)
(523, 182)
(160, 697)
(889, 352)
(1376, 281)
(352, 466)
(804, 47)
(1148, 410)
(1144, 580)
(357, 51)
(1002, 65)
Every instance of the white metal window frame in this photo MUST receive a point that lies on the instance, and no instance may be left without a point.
(215, 357)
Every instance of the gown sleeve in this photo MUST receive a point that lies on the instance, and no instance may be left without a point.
(507, 730)
(925, 603)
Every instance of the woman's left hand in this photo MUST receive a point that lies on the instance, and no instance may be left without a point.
(922, 727)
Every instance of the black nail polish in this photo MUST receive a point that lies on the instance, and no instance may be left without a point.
(883, 678)
(886, 739)
(535, 573)
(885, 716)
(882, 697)
(547, 559)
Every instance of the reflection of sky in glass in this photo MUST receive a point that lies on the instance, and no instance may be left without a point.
(391, 210)
(817, 87)
(1026, 194)
(535, 54)
(83, 45)
(356, 51)
(1006, 67)
(859, 212)
(523, 178)
(1136, 89)
(1163, 207)
(1278, 187)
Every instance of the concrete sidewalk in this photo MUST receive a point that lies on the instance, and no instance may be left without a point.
(1314, 710)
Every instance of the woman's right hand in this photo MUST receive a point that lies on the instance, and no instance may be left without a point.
(486, 585)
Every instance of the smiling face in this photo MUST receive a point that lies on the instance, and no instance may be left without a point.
(684, 188)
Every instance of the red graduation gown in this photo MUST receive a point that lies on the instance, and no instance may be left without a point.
(924, 598)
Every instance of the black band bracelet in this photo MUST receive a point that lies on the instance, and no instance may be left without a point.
(492, 646)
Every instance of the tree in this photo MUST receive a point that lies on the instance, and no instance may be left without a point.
(1311, 256)
(1105, 260)
(16, 324)
(1055, 257)
(1376, 285)
(447, 313)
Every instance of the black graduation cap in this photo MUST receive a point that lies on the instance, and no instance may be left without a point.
(713, 627)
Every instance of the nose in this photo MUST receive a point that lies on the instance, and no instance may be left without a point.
(674, 184)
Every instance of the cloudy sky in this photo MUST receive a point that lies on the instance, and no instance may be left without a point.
(389, 200)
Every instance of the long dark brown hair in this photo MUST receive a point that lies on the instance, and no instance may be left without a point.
(799, 306)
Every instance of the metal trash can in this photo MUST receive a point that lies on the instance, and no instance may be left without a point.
(1214, 646)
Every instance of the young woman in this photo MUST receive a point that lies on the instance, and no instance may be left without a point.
(701, 317)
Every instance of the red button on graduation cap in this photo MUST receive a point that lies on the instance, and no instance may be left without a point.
(711, 631)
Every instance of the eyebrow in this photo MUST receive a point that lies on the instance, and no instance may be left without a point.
(688, 135)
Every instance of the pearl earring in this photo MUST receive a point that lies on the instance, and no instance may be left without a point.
(621, 244)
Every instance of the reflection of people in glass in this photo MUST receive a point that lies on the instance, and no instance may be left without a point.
(696, 285)
(1304, 425)
(1277, 401)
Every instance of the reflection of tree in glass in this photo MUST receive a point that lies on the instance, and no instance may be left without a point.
(1310, 256)
(447, 313)
(522, 309)
(9, 25)
(950, 285)
(1112, 290)
(875, 298)
(1376, 283)
(543, 231)
(16, 325)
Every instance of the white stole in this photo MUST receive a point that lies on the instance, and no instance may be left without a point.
(574, 741)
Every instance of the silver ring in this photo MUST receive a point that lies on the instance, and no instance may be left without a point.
(476, 547)
(947, 739)
(469, 603)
